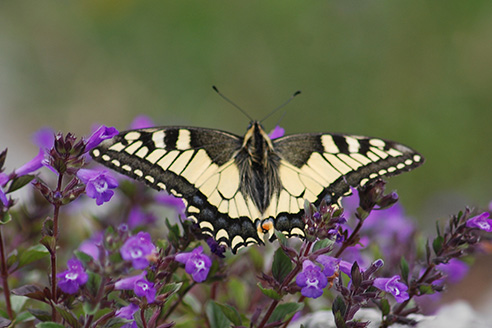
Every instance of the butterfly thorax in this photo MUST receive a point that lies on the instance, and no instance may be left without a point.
(258, 167)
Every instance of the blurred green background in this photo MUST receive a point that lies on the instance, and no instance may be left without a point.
(418, 72)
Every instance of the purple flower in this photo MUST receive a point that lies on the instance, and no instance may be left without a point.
(137, 249)
(127, 312)
(70, 280)
(140, 286)
(330, 264)
(393, 286)
(92, 246)
(34, 164)
(311, 280)
(44, 138)
(455, 270)
(141, 122)
(216, 248)
(171, 201)
(481, 222)
(277, 132)
(137, 217)
(3, 197)
(98, 184)
(196, 263)
(102, 133)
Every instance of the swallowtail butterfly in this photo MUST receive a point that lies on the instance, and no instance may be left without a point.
(238, 189)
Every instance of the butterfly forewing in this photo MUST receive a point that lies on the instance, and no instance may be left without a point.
(324, 166)
(195, 164)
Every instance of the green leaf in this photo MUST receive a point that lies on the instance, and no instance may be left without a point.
(116, 322)
(237, 289)
(83, 257)
(385, 307)
(426, 289)
(32, 254)
(323, 243)
(171, 289)
(12, 258)
(41, 315)
(231, 314)
(67, 315)
(90, 308)
(281, 266)
(162, 244)
(269, 292)
(339, 306)
(437, 244)
(281, 237)
(20, 182)
(48, 242)
(339, 320)
(285, 311)
(6, 218)
(216, 317)
(93, 282)
(30, 291)
(49, 325)
(173, 234)
(404, 269)
(24, 316)
(18, 302)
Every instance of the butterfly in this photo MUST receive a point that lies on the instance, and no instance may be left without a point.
(239, 189)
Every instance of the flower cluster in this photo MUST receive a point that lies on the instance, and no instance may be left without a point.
(145, 268)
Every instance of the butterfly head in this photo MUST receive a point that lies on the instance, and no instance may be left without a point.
(256, 140)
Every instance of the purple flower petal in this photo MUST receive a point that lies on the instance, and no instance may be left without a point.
(330, 264)
(129, 283)
(127, 312)
(171, 201)
(393, 286)
(98, 184)
(141, 122)
(3, 198)
(311, 280)
(277, 132)
(137, 217)
(145, 288)
(137, 249)
(102, 133)
(44, 138)
(455, 270)
(70, 280)
(196, 263)
(140, 286)
(34, 164)
(481, 222)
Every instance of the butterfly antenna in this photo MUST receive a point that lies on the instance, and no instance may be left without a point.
(231, 102)
(281, 106)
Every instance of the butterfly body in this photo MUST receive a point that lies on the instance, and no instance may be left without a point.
(239, 189)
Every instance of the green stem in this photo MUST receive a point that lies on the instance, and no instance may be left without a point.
(5, 275)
